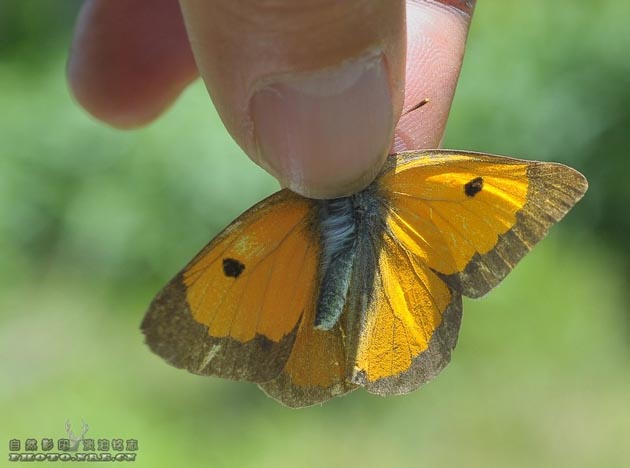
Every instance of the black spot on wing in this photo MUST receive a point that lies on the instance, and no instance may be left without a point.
(232, 267)
(473, 187)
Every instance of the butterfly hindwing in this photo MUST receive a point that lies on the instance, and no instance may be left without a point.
(409, 324)
(316, 370)
(235, 309)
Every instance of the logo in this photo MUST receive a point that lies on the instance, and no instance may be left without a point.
(74, 441)
(73, 447)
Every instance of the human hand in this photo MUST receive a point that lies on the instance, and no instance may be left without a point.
(312, 93)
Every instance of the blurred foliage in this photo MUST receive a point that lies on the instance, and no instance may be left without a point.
(29, 29)
(552, 82)
(93, 221)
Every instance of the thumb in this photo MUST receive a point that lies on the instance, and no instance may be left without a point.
(310, 90)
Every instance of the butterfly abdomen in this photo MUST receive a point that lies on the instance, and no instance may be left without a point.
(342, 223)
(338, 232)
(338, 228)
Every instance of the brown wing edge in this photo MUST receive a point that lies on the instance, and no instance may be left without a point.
(543, 208)
(428, 364)
(319, 350)
(283, 390)
(172, 333)
(302, 397)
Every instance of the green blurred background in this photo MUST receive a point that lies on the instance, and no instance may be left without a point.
(94, 220)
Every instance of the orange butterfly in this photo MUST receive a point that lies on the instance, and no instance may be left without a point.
(311, 299)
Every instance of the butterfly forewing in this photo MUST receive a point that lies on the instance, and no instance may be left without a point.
(472, 217)
(234, 311)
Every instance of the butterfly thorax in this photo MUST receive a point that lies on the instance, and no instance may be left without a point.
(342, 222)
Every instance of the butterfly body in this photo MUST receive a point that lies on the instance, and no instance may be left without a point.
(343, 224)
(312, 299)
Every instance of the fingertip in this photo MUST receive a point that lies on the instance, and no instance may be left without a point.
(437, 32)
(326, 134)
(294, 88)
(126, 66)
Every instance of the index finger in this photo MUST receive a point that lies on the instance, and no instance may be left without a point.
(436, 38)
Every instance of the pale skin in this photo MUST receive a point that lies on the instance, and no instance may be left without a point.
(312, 91)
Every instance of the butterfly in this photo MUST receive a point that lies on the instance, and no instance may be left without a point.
(311, 299)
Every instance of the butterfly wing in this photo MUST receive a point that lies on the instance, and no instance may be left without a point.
(410, 323)
(316, 370)
(454, 223)
(471, 217)
(235, 309)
